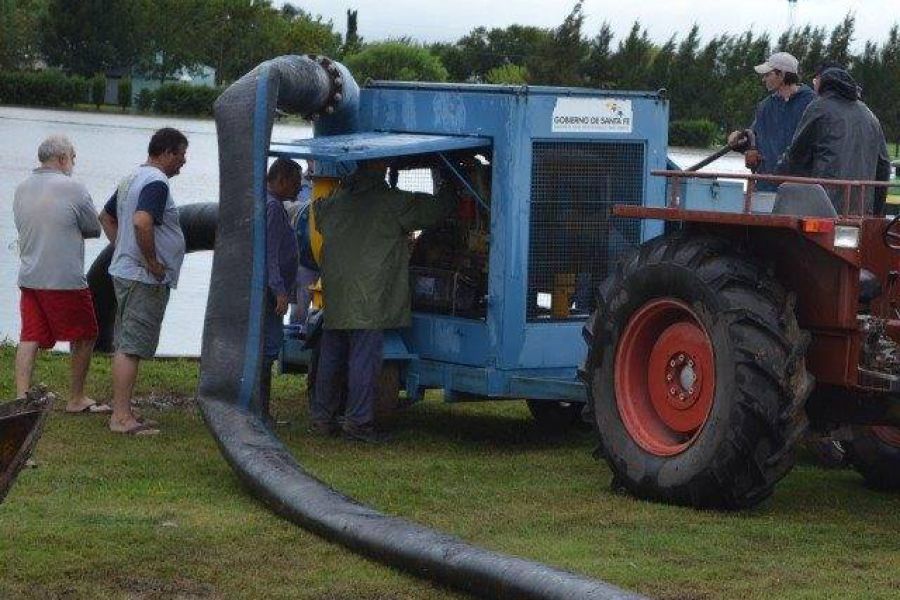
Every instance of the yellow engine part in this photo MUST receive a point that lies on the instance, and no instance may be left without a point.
(477, 241)
(560, 300)
(322, 188)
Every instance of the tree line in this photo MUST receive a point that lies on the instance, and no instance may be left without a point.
(709, 82)
(159, 37)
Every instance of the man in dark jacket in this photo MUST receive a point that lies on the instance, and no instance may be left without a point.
(839, 138)
(777, 115)
(365, 226)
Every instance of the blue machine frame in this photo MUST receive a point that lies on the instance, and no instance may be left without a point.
(503, 355)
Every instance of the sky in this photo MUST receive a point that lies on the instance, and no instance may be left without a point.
(448, 20)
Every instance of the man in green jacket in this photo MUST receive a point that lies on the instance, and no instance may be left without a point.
(365, 279)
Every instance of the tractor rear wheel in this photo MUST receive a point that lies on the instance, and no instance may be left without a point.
(696, 374)
(554, 416)
(875, 454)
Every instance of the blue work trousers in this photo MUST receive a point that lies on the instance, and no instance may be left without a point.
(273, 330)
(358, 353)
(300, 310)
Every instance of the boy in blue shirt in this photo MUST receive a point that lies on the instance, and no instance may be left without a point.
(777, 116)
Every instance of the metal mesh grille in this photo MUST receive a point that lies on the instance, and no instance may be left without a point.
(415, 180)
(574, 239)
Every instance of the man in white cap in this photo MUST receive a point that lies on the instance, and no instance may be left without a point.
(777, 116)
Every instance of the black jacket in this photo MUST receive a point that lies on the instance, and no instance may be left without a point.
(839, 138)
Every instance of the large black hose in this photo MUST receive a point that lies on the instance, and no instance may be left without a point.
(198, 224)
(232, 341)
(267, 467)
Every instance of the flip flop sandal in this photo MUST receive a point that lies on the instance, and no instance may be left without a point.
(92, 409)
(140, 429)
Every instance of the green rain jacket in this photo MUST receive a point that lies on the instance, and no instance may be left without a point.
(365, 257)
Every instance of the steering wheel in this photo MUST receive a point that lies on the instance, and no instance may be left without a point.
(891, 234)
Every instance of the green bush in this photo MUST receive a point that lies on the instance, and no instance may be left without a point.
(98, 89)
(696, 133)
(124, 94)
(145, 100)
(41, 88)
(508, 74)
(185, 99)
(78, 89)
(396, 60)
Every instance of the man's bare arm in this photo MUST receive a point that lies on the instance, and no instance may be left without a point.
(143, 233)
(110, 226)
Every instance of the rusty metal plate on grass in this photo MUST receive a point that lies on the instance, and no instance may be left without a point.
(21, 423)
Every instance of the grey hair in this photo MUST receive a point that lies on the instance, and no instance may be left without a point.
(55, 146)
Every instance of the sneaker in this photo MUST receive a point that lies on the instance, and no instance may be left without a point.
(323, 429)
(367, 435)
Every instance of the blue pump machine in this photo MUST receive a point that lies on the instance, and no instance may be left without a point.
(559, 159)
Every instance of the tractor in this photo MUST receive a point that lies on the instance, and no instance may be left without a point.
(715, 346)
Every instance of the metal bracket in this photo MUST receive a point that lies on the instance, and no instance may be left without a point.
(465, 182)
(886, 382)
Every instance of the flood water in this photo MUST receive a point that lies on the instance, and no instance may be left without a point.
(108, 147)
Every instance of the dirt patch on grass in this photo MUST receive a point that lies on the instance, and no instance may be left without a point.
(148, 588)
(342, 595)
(683, 595)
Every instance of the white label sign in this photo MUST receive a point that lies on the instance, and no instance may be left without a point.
(604, 115)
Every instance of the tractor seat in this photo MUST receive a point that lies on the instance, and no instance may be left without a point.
(811, 200)
(803, 199)
(869, 286)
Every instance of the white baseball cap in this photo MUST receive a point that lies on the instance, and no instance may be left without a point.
(782, 61)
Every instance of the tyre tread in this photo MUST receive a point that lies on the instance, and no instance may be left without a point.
(769, 423)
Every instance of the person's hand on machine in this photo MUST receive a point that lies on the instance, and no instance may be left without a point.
(281, 304)
(739, 140)
(752, 159)
(743, 141)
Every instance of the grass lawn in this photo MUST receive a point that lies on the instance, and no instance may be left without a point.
(110, 516)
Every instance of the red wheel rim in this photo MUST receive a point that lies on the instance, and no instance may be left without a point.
(665, 376)
(887, 434)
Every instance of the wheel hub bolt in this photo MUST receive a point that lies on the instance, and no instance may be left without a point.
(668, 377)
(681, 396)
(690, 363)
(672, 363)
(681, 358)
(672, 391)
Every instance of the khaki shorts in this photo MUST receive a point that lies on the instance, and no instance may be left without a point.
(139, 316)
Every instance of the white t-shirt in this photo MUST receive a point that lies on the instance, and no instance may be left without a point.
(53, 215)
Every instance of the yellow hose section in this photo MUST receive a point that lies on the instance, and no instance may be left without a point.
(322, 188)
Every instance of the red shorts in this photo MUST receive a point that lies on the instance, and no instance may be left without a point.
(50, 316)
